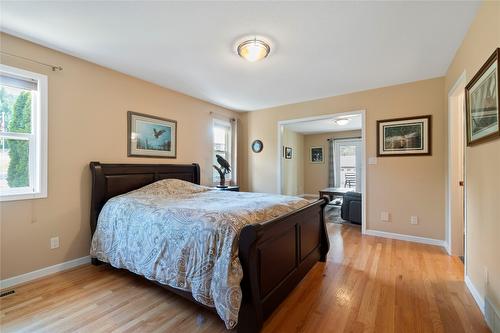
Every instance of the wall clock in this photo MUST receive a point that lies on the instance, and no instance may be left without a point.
(257, 146)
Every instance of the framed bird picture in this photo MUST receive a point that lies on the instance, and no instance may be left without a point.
(151, 136)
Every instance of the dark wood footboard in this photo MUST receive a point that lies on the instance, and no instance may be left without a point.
(275, 256)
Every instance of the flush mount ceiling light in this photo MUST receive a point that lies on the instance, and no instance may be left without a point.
(342, 121)
(253, 50)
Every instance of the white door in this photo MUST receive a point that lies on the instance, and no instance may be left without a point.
(348, 164)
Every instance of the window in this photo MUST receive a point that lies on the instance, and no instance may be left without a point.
(222, 132)
(23, 134)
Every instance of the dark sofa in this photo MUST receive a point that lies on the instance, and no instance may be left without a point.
(351, 207)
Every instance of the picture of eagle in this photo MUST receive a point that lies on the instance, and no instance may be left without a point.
(157, 134)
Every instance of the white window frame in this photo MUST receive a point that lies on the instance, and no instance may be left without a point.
(228, 151)
(37, 138)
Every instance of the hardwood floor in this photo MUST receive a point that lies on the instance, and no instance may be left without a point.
(368, 284)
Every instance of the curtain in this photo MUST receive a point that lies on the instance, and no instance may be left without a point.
(331, 166)
(234, 151)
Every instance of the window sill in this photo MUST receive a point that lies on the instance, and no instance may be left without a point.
(22, 196)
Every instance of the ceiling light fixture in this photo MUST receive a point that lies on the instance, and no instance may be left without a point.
(342, 121)
(253, 50)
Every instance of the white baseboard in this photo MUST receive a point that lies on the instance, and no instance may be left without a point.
(447, 248)
(491, 315)
(15, 280)
(409, 238)
(477, 297)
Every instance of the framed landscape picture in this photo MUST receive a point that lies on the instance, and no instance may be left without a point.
(151, 136)
(316, 154)
(481, 103)
(404, 136)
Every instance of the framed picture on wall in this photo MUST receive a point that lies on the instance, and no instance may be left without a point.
(404, 136)
(481, 103)
(151, 136)
(316, 154)
(287, 152)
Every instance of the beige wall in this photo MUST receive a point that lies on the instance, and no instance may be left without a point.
(482, 163)
(411, 185)
(293, 169)
(316, 174)
(87, 122)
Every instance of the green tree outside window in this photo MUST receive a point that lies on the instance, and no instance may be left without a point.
(20, 121)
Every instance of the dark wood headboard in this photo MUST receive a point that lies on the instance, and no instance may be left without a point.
(109, 180)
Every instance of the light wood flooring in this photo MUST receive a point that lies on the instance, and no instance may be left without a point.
(368, 284)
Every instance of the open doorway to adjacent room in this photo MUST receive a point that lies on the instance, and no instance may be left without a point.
(456, 225)
(325, 155)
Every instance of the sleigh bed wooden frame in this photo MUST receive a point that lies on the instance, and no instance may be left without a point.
(275, 255)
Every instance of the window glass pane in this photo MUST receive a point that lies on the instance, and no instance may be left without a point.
(15, 109)
(14, 163)
(222, 135)
(348, 166)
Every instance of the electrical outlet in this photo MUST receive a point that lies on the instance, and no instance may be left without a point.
(384, 216)
(414, 220)
(54, 243)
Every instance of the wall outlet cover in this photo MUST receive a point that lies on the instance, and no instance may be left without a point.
(54, 243)
(384, 216)
(414, 220)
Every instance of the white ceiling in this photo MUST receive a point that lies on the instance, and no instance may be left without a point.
(319, 49)
(325, 125)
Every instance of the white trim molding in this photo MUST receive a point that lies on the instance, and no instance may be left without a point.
(13, 281)
(490, 314)
(409, 238)
(447, 248)
(475, 294)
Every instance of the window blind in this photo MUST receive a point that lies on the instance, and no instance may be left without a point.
(17, 82)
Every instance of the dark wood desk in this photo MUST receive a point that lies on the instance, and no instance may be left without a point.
(332, 192)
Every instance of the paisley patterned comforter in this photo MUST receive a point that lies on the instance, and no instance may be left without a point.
(185, 236)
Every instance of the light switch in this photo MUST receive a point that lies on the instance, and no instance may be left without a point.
(372, 160)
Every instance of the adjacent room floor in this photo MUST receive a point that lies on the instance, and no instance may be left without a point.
(368, 284)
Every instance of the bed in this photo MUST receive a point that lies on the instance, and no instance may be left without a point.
(277, 239)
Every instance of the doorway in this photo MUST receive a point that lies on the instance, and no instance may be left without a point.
(456, 226)
(304, 150)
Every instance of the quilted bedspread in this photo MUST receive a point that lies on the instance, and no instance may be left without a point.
(185, 236)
